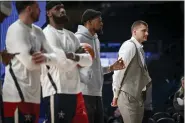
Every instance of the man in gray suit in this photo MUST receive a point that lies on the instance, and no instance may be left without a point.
(130, 83)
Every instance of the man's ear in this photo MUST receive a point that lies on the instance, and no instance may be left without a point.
(89, 21)
(134, 31)
(28, 9)
(48, 13)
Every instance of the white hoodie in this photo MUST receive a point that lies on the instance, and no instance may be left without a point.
(20, 39)
(67, 78)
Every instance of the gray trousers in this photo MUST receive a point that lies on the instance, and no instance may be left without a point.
(132, 110)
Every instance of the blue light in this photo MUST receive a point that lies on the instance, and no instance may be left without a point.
(148, 54)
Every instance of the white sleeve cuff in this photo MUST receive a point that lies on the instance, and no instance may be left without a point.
(116, 92)
(85, 60)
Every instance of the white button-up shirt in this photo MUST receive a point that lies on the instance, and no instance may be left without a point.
(126, 52)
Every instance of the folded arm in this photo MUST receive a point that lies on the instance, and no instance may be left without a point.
(56, 55)
(85, 60)
(19, 43)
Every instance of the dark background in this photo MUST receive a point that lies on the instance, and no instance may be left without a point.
(166, 39)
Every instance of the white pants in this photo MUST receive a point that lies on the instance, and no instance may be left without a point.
(132, 110)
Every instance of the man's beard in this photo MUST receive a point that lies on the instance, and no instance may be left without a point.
(34, 18)
(61, 20)
(99, 31)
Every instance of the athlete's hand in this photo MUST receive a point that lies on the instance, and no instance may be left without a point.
(38, 58)
(114, 102)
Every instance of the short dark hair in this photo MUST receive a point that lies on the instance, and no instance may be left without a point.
(90, 14)
(138, 23)
(21, 5)
(51, 4)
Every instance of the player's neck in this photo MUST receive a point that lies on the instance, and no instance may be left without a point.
(26, 20)
(91, 31)
(57, 26)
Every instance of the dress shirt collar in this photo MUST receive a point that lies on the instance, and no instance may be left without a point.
(139, 45)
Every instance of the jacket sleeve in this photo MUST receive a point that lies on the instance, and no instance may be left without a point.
(16, 40)
(85, 58)
(85, 72)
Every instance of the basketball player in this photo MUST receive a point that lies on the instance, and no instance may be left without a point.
(61, 86)
(92, 77)
(131, 84)
(21, 90)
